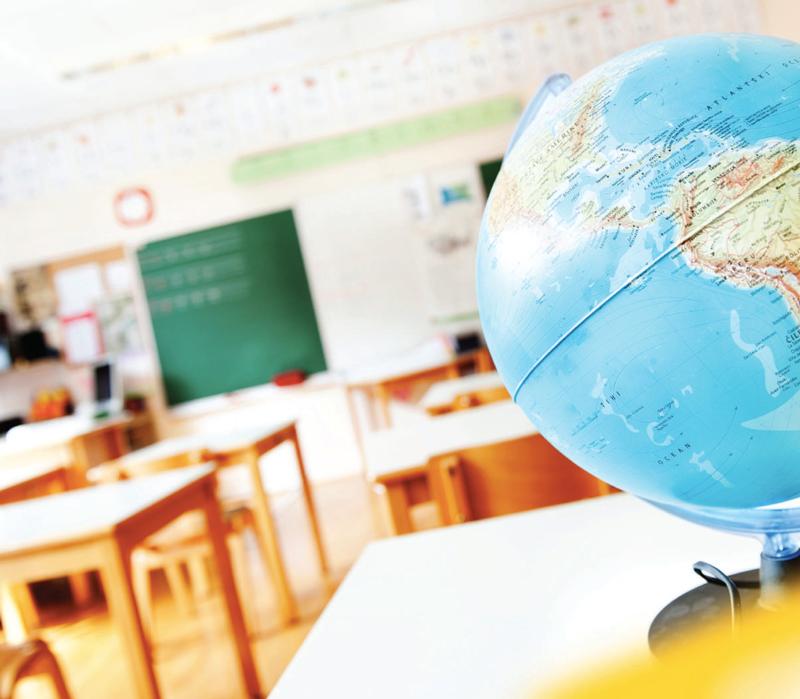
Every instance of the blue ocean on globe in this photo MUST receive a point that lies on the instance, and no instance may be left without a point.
(639, 271)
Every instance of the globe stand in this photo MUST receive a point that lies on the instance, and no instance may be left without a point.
(724, 597)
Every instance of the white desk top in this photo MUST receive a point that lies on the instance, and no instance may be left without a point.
(501, 607)
(223, 441)
(443, 393)
(12, 476)
(405, 447)
(87, 512)
(51, 433)
(429, 355)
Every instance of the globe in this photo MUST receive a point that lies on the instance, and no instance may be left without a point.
(638, 272)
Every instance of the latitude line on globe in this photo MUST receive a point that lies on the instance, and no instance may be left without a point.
(644, 270)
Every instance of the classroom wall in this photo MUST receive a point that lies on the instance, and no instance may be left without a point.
(202, 194)
(781, 18)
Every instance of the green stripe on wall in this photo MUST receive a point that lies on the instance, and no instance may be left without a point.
(375, 141)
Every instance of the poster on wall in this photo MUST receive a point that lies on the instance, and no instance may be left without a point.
(34, 299)
(120, 328)
(82, 340)
(446, 241)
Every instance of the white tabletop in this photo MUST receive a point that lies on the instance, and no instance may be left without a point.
(87, 512)
(12, 476)
(220, 442)
(443, 393)
(500, 608)
(51, 433)
(429, 355)
(405, 447)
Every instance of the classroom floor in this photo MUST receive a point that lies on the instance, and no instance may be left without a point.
(194, 654)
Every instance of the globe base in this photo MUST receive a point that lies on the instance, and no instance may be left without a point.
(709, 604)
(724, 599)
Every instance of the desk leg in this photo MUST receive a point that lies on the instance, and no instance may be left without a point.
(233, 609)
(357, 432)
(118, 587)
(80, 585)
(370, 405)
(270, 545)
(384, 398)
(17, 611)
(399, 509)
(310, 507)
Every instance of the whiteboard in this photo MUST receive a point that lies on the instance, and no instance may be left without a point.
(392, 263)
(363, 271)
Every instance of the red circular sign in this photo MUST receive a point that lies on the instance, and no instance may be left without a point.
(133, 206)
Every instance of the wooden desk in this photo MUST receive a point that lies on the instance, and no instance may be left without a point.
(75, 442)
(440, 397)
(398, 458)
(246, 447)
(378, 388)
(97, 529)
(505, 606)
(17, 608)
(31, 481)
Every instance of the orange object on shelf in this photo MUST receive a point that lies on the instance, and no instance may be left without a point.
(51, 403)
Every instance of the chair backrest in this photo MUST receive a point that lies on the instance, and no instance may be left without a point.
(513, 476)
(482, 396)
(94, 447)
(135, 468)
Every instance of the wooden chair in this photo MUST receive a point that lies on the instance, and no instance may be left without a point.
(97, 446)
(28, 660)
(513, 476)
(483, 396)
(182, 543)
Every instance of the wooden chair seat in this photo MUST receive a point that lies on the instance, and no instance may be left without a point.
(484, 396)
(507, 477)
(27, 660)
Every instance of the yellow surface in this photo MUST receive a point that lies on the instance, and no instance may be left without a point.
(760, 662)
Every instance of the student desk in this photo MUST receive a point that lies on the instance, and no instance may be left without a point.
(17, 609)
(398, 458)
(97, 529)
(31, 481)
(440, 397)
(378, 388)
(75, 442)
(25, 482)
(246, 447)
(503, 607)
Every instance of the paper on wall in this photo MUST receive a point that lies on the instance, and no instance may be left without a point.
(81, 337)
(119, 278)
(78, 288)
(446, 244)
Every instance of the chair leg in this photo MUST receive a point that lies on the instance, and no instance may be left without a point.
(198, 577)
(56, 677)
(18, 611)
(40, 661)
(178, 588)
(143, 592)
(241, 575)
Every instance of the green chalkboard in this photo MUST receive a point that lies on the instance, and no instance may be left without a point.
(489, 172)
(230, 307)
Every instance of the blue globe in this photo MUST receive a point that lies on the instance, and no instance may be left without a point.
(639, 271)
